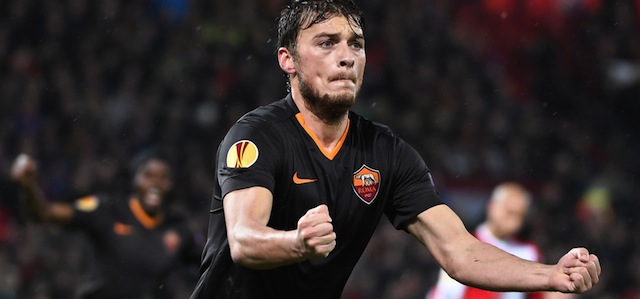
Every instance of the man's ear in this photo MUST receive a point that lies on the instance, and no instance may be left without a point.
(285, 59)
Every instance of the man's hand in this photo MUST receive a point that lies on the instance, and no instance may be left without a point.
(578, 271)
(315, 233)
(23, 170)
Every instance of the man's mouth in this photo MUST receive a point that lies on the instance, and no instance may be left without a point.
(153, 196)
(343, 77)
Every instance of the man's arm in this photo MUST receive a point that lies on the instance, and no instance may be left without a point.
(255, 245)
(482, 265)
(23, 171)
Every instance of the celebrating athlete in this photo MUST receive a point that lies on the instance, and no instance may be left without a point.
(302, 183)
(137, 241)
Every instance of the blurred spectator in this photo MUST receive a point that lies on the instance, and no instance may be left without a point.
(507, 211)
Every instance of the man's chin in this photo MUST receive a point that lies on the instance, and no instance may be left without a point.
(331, 111)
(331, 106)
(345, 98)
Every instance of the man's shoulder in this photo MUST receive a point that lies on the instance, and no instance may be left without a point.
(367, 126)
(272, 113)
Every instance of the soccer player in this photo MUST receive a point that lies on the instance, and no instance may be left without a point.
(507, 210)
(137, 241)
(302, 183)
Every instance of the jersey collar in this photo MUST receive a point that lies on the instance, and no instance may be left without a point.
(148, 221)
(292, 104)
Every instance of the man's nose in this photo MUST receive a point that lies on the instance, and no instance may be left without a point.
(156, 182)
(346, 56)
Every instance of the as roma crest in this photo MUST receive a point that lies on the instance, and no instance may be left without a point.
(366, 182)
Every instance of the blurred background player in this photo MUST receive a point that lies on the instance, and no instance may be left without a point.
(507, 211)
(137, 240)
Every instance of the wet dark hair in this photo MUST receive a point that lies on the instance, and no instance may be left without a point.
(300, 15)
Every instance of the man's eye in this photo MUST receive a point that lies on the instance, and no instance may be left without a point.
(326, 44)
(357, 45)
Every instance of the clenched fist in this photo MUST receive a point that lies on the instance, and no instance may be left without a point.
(578, 271)
(315, 233)
(23, 170)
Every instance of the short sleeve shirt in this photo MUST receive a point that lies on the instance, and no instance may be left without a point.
(134, 252)
(371, 172)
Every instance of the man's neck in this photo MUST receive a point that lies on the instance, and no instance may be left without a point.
(328, 134)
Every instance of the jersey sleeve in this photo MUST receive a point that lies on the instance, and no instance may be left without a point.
(414, 189)
(248, 157)
(90, 213)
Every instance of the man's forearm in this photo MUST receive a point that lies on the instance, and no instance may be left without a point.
(33, 198)
(487, 267)
(265, 249)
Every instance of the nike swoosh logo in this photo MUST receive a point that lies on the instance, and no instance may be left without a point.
(299, 181)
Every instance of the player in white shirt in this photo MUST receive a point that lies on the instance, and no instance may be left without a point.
(506, 213)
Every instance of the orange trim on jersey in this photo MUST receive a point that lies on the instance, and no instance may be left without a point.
(122, 229)
(145, 219)
(334, 152)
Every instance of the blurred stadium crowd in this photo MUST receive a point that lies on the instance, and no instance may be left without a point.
(544, 92)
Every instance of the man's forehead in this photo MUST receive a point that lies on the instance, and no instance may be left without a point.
(332, 25)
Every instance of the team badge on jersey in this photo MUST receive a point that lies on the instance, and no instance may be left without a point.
(242, 154)
(366, 181)
(171, 241)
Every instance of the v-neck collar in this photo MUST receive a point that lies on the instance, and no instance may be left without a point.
(148, 221)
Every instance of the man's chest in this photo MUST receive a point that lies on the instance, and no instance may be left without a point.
(353, 184)
(140, 247)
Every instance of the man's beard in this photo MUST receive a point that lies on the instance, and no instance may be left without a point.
(329, 109)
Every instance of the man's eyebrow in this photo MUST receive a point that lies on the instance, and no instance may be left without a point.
(358, 35)
(335, 35)
(326, 34)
